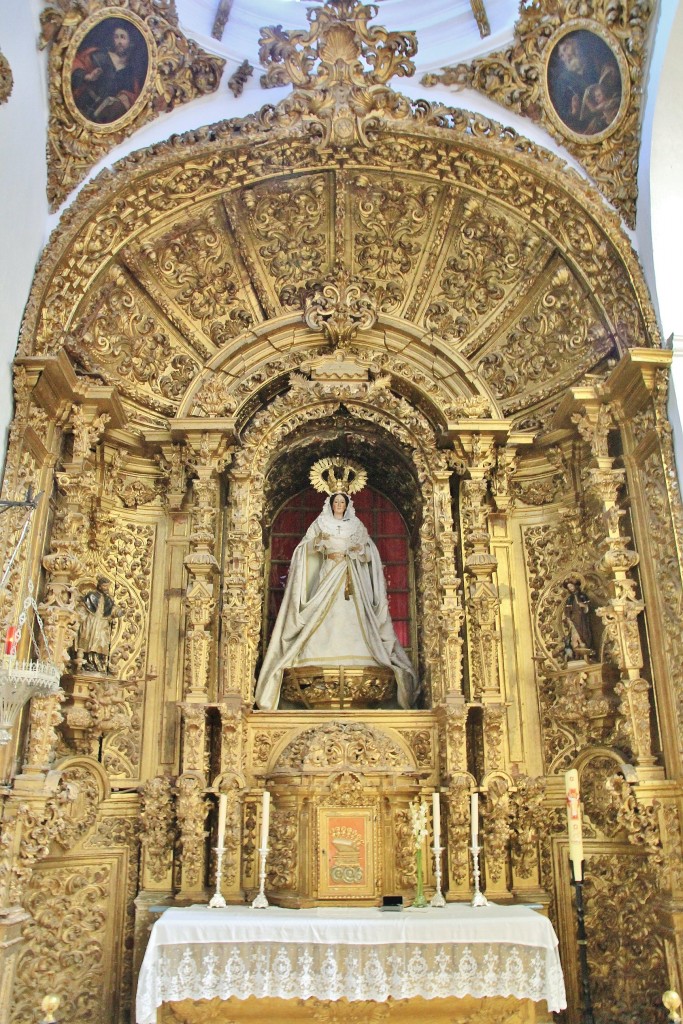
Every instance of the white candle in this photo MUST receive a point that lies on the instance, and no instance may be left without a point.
(222, 812)
(474, 818)
(574, 826)
(265, 819)
(436, 819)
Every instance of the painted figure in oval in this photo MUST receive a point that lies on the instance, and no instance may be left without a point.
(109, 71)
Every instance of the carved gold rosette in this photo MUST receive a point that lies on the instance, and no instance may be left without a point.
(346, 274)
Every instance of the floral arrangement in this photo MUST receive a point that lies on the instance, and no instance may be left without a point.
(418, 822)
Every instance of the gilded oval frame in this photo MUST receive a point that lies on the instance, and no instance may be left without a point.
(607, 44)
(89, 27)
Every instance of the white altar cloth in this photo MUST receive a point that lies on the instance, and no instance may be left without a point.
(357, 954)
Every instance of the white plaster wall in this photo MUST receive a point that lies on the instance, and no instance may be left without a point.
(23, 205)
(665, 182)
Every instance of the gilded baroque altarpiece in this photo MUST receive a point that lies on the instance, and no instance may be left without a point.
(436, 297)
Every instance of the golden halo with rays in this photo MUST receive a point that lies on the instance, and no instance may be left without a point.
(337, 473)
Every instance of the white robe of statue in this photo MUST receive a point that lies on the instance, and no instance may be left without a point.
(334, 609)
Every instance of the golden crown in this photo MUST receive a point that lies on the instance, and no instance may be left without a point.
(337, 474)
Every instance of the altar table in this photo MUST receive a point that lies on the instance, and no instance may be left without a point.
(351, 954)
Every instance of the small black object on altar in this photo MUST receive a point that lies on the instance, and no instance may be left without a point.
(392, 903)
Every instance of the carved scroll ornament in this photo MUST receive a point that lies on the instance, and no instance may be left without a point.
(577, 69)
(111, 69)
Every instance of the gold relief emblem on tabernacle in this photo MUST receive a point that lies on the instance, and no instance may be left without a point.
(346, 853)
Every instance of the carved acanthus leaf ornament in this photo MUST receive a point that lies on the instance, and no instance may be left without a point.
(166, 70)
(519, 78)
(6, 79)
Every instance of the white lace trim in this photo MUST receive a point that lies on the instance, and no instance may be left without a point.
(355, 972)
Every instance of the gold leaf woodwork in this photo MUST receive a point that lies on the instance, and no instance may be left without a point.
(120, 337)
(516, 77)
(487, 257)
(339, 36)
(157, 831)
(622, 916)
(65, 941)
(391, 219)
(6, 79)
(556, 340)
(194, 267)
(289, 225)
(177, 71)
(341, 746)
(283, 853)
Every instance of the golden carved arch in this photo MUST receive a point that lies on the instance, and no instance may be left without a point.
(268, 435)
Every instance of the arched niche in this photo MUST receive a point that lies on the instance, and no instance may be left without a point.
(367, 420)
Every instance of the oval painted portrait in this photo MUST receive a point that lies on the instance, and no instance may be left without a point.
(584, 82)
(109, 71)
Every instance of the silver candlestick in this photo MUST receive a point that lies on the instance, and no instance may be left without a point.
(478, 900)
(437, 899)
(260, 902)
(218, 900)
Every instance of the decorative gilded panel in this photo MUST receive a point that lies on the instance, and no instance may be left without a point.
(70, 940)
(577, 69)
(112, 69)
(487, 257)
(196, 265)
(290, 224)
(121, 338)
(626, 958)
(557, 338)
(391, 222)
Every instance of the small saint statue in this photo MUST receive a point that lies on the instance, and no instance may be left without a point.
(578, 640)
(94, 634)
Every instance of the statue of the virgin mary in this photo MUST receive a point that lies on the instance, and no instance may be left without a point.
(334, 609)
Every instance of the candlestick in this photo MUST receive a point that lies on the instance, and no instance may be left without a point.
(437, 899)
(478, 899)
(574, 826)
(436, 819)
(260, 902)
(474, 818)
(218, 899)
(222, 813)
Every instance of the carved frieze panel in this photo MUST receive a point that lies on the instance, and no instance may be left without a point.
(391, 223)
(290, 223)
(112, 69)
(342, 746)
(194, 269)
(558, 337)
(121, 339)
(576, 69)
(621, 918)
(487, 258)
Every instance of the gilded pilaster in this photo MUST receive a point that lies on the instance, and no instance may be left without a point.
(620, 616)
